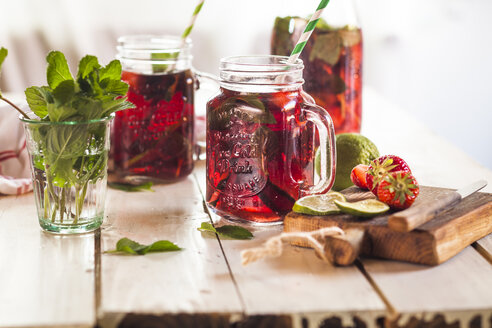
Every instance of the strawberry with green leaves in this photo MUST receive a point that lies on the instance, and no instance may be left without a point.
(398, 189)
(380, 167)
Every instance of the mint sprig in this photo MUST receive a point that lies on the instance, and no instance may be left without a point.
(229, 231)
(72, 156)
(128, 246)
(96, 92)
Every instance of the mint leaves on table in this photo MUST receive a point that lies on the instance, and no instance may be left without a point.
(128, 246)
(230, 231)
(147, 186)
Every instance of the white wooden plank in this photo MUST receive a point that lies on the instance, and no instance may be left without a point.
(45, 280)
(195, 279)
(486, 243)
(433, 160)
(300, 284)
(459, 288)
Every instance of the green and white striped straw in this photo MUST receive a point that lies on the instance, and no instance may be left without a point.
(187, 31)
(307, 32)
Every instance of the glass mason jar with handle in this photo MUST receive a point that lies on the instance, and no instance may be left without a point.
(332, 59)
(155, 140)
(261, 133)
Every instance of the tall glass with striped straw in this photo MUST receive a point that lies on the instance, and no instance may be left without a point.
(332, 58)
(308, 30)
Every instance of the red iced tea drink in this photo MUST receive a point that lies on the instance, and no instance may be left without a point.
(333, 67)
(155, 139)
(260, 140)
(258, 159)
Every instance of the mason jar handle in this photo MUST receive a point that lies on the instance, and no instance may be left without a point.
(206, 77)
(323, 122)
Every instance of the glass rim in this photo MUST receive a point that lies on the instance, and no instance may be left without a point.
(61, 123)
(266, 63)
(144, 42)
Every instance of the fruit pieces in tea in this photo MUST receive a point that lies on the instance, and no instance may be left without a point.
(259, 154)
(333, 67)
(155, 139)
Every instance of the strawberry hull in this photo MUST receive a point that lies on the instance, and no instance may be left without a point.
(380, 167)
(398, 189)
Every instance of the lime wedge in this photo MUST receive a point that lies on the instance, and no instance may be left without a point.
(365, 208)
(319, 204)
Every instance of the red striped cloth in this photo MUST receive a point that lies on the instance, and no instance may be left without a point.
(15, 172)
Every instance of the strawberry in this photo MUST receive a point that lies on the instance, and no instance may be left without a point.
(398, 189)
(358, 176)
(380, 167)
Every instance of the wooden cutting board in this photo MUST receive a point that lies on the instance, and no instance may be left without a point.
(434, 242)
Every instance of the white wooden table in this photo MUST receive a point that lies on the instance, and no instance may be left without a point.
(53, 281)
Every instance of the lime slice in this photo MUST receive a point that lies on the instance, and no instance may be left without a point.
(319, 204)
(365, 208)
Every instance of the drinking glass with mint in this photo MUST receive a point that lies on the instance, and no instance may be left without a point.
(67, 134)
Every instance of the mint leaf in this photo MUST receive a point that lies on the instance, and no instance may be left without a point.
(267, 141)
(110, 106)
(87, 107)
(234, 232)
(67, 141)
(60, 113)
(62, 172)
(58, 70)
(160, 68)
(3, 54)
(350, 36)
(38, 99)
(327, 47)
(248, 108)
(128, 246)
(161, 246)
(87, 65)
(282, 42)
(112, 71)
(130, 187)
(322, 25)
(333, 84)
(64, 92)
(116, 87)
(230, 231)
(207, 227)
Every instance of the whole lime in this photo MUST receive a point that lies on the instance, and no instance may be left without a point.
(352, 149)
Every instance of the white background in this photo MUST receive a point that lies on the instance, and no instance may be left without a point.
(431, 58)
